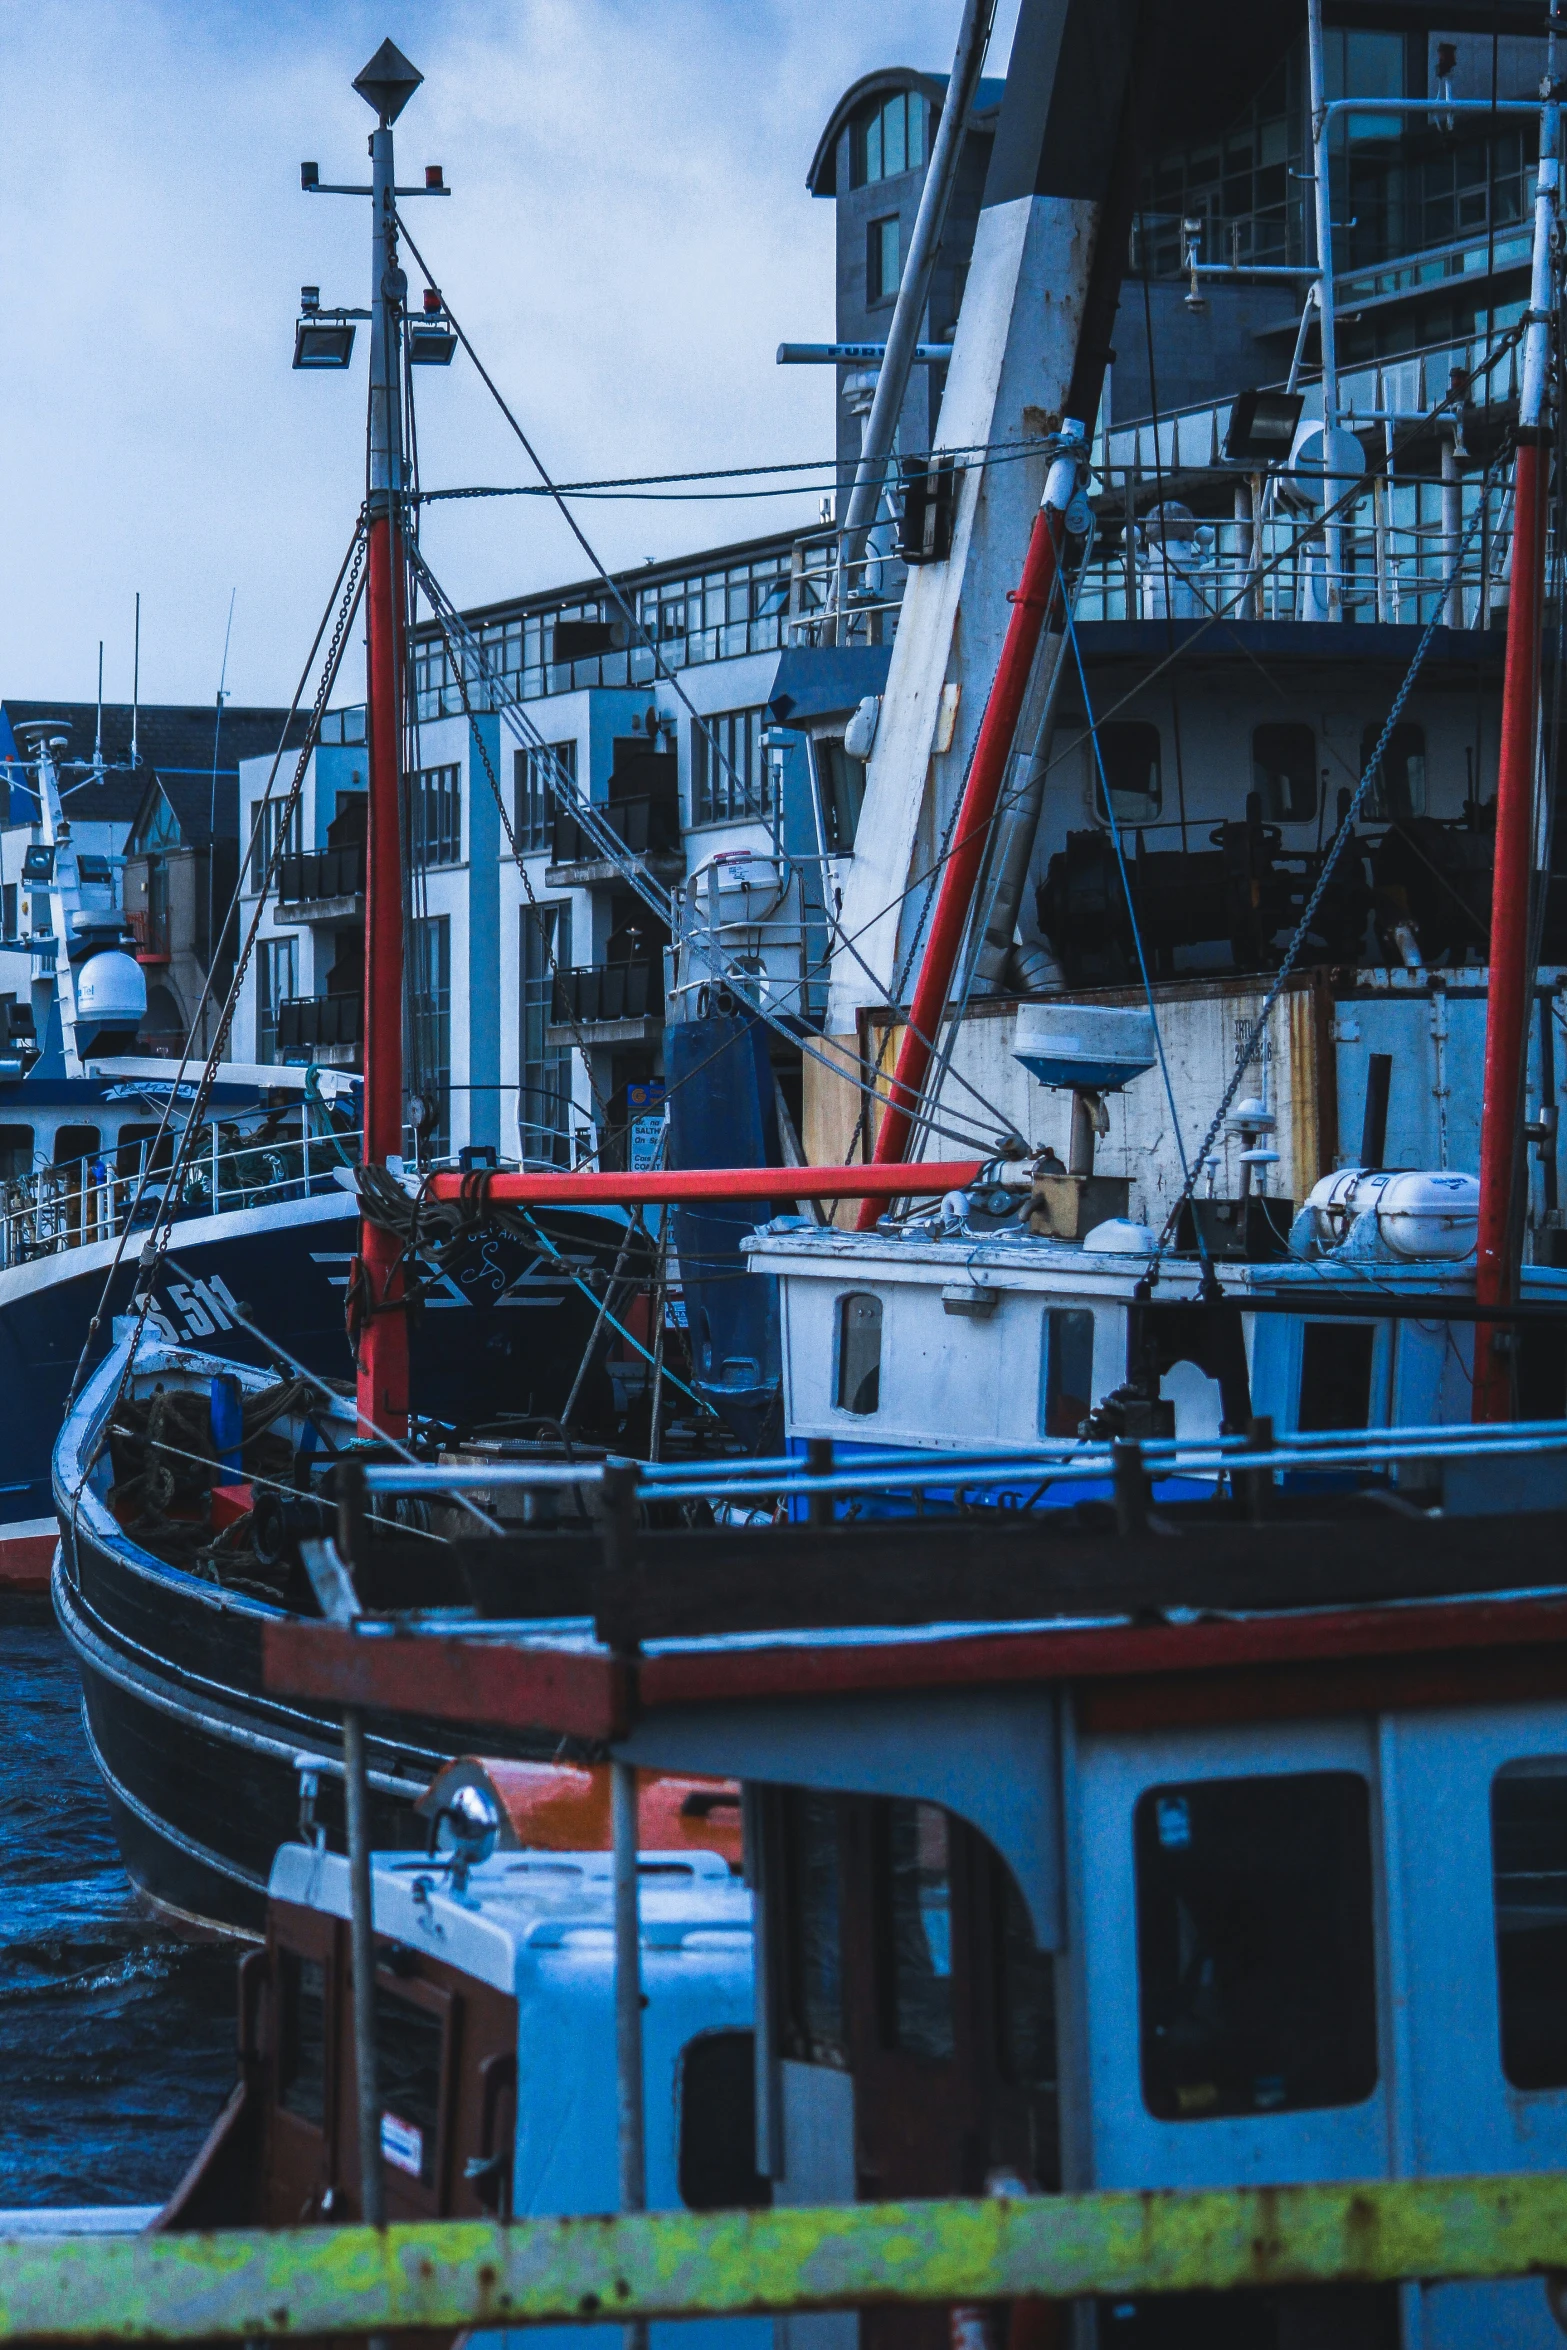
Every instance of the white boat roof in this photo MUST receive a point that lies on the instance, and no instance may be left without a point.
(520, 1902)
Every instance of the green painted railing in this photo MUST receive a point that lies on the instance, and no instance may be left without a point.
(454, 2274)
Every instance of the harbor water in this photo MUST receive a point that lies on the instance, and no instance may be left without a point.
(116, 2040)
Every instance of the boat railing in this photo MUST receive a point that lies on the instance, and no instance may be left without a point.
(97, 1197)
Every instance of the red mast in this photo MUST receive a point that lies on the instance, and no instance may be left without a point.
(1507, 1008)
(1031, 601)
(387, 84)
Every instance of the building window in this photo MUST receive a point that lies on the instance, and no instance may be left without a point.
(8, 903)
(435, 835)
(533, 813)
(1128, 762)
(1256, 1960)
(1398, 787)
(859, 1353)
(430, 1004)
(883, 259)
(267, 822)
(1529, 1876)
(730, 768)
(1284, 773)
(277, 985)
(1068, 1384)
(544, 1070)
(889, 138)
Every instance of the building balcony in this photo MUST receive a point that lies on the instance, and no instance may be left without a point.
(327, 1028)
(324, 885)
(648, 827)
(611, 1003)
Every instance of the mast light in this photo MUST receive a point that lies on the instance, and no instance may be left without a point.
(322, 342)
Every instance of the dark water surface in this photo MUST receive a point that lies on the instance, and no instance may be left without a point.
(116, 2041)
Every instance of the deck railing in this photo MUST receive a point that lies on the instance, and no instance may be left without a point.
(95, 1198)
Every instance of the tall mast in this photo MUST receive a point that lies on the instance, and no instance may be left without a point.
(386, 84)
(1507, 1002)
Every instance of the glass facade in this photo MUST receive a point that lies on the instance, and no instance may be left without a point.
(276, 983)
(533, 813)
(435, 829)
(712, 613)
(544, 1070)
(731, 775)
(430, 994)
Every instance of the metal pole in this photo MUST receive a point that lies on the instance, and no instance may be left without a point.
(628, 2007)
(1321, 190)
(372, 2183)
(383, 1344)
(1507, 1006)
(913, 294)
(1452, 525)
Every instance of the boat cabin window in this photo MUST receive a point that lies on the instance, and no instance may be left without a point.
(914, 1868)
(1255, 1955)
(302, 2037)
(1335, 1374)
(1067, 1385)
(1284, 772)
(1399, 786)
(408, 2049)
(75, 1142)
(1129, 753)
(128, 1150)
(1529, 1873)
(16, 1152)
(813, 1944)
(858, 1386)
(715, 2096)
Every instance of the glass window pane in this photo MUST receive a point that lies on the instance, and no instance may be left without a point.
(1026, 2006)
(873, 168)
(916, 132)
(408, 2068)
(813, 1928)
(1255, 1955)
(919, 1918)
(859, 1353)
(894, 138)
(1069, 1370)
(1529, 1866)
(1335, 1374)
(1284, 773)
(1399, 786)
(302, 2038)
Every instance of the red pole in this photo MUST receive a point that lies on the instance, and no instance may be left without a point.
(383, 1337)
(671, 1184)
(1507, 1010)
(1030, 602)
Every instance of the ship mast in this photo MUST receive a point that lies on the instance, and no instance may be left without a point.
(1507, 1006)
(387, 83)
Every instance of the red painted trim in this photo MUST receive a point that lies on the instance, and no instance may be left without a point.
(25, 1561)
(698, 1183)
(1507, 1007)
(974, 1660)
(383, 1340)
(960, 876)
(487, 1682)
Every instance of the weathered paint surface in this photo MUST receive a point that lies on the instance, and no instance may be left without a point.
(455, 2274)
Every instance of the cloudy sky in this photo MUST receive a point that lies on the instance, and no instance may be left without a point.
(628, 240)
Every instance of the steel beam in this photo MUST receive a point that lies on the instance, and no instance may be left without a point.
(452, 2274)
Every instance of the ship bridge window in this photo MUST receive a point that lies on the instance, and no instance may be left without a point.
(302, 2037)
(1255, 1955)
(858, 1386)
(75, 1142)
(16, 1152)
(1335, 1374)
(1284, 773)
(1128, 763)
(1529, 1879)
(1398, 787)
(812, 1915)
(1067, 1388)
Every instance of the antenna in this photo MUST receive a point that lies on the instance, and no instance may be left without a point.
(212, 806)
(97, 740)
(136, 682)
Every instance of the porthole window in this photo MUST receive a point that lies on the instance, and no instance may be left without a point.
(859, 1353)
